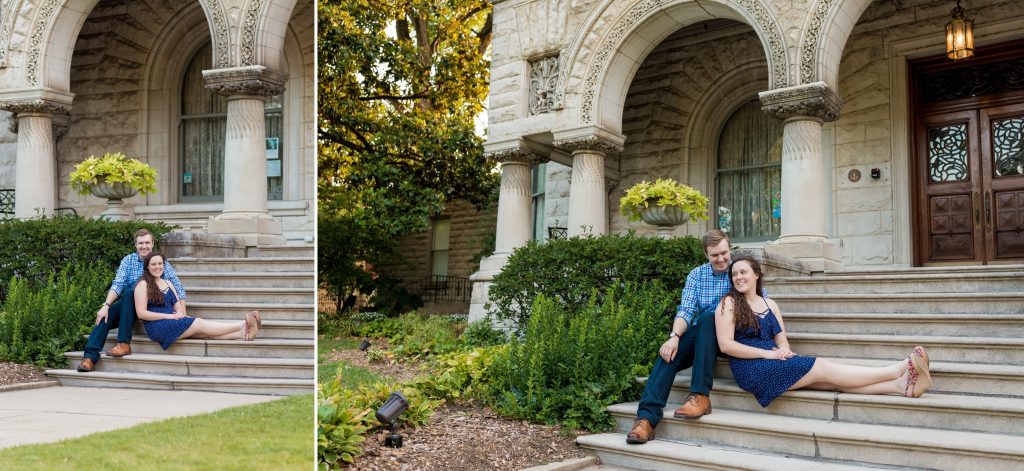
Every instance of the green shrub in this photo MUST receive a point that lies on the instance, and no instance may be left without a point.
(482, 333)
(567, 271)
(332, 326)
(572, 364)
(39, 324)
(414, 335)
(458, 375)
(32, 249)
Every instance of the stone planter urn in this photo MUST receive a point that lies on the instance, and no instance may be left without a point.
(115, 193)
(664, 218)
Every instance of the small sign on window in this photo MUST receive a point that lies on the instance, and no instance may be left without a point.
(273, 148)
(186, 178)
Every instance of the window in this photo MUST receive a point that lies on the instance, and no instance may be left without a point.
(538, 182)
(203, 129)
(439, 247)
(750, 175)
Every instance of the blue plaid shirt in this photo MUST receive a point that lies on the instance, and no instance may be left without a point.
(130, 270)
(703, 289)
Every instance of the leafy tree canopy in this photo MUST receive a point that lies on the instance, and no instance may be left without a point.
(401, 83)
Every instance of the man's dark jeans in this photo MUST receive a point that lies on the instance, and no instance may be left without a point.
(698, 347)
(120, 316)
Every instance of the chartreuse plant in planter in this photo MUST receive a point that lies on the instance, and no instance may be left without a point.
(663, 192)
(112, 168)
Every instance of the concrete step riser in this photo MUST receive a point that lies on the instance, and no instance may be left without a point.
(307, 251)
(843, 408)
(287, 314)
(894, 349)
(244, 265)
(227, 296)
(809, 445)
(1000, 284)
(280, 390)
(238, 348)
(305, 332)
(965, 305)
(128, 365)
(613, 458)
(229, 281)
(908, 326)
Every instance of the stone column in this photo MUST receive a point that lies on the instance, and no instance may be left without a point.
(35, 178)
(588, 198)
(803, 109)
(245, 170)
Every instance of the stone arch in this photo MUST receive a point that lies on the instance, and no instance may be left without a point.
(219, 32)
(262, 32)
(825, 32)
(617, 37)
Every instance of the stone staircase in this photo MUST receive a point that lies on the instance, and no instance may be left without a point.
(278, 281)
(971, 321)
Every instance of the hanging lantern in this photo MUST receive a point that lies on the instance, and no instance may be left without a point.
(959, 35)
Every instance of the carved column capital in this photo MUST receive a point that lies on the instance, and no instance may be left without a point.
(520, 155)
(812, 100)
(591, 143)
(35, 106)
(253, 80)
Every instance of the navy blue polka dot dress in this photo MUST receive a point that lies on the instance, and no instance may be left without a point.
(767, 379)
(166, 331)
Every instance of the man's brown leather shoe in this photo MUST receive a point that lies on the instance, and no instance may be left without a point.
(86, 366)
(120, 350)
(642, 432)
(695, 407)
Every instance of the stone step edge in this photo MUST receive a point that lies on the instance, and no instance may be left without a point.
(154, 378)
(904, 316)
(962, 369)
(912, 340)
(224, 274)
(267, 323)
(948, 441)
(259, 342)
(889, 297)
(968, 404)
(192, 359)
(895, 277)
(701, 454)
(240, 289)
(262, 260)
(250, 306)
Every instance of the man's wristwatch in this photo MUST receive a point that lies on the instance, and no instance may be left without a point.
(106, 304)
(673, 334)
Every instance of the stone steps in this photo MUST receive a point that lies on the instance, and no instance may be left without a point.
(185, 365)
(935, 303)
(888, 283)
(232, 311)
(229, 384)
(832, 440)
(938, 411)
(991, 350)
(680, 455)
(278, 251)
(983, 325)
(249, 295)
(258, 348)
(250, 264)
(193, 280)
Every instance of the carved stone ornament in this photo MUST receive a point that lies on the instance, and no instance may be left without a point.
(813, 100)
(811, 34)
(60, 123)
(248, 45)
(35, 41)
(221, 42)
(625, 24)
(35, 105)
(250, 80)
(589, 143)
(543, 85)
(516, 155)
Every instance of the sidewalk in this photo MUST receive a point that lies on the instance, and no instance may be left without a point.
(55, 413)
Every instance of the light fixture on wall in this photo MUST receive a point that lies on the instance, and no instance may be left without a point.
(959, 35)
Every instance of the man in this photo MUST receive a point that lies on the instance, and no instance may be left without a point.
(121, 314)
(692, 342)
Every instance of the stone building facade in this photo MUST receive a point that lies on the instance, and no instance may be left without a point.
(851, 102)
(211, 92)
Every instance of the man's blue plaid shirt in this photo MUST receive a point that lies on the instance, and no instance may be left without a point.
(704, 289)
(130, 270)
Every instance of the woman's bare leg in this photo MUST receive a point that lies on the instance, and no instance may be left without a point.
(202, 328)
(829, 375)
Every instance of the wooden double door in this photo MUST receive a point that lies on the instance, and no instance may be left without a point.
(969, 170)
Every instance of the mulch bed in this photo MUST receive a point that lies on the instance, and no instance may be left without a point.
(14, 373)
(465, 436)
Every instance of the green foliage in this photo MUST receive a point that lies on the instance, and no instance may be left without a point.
(663, 192)
(465, 374)
(113, 168)
(415, 335)
(333, 326)
(482, 333)
(39, 324)
(572, 364)
(567, 271)
(32, 249)
(397, 139)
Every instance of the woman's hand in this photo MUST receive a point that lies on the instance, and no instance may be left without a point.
(176, 315)
(783, 353)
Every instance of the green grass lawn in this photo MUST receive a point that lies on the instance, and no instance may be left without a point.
(327, 370)
(276, 435)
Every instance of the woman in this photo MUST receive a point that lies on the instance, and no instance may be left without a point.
(156, 303)
(751, 331)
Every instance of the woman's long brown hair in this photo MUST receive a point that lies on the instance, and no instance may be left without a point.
(742, 313)
(153, 294)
